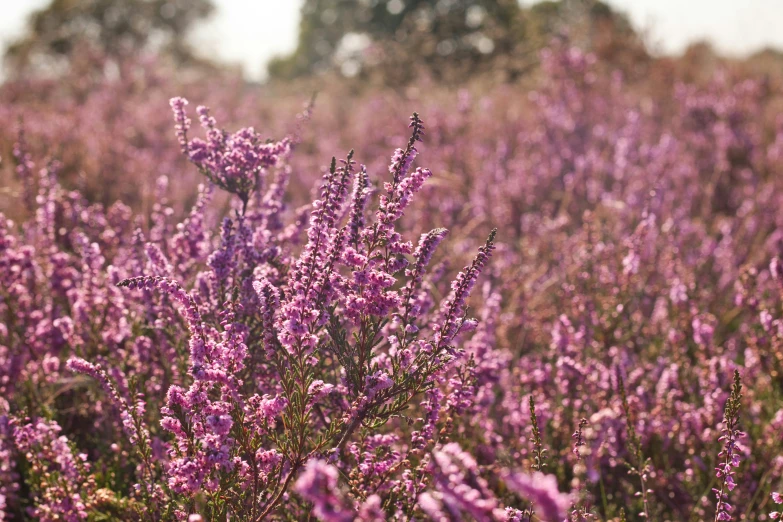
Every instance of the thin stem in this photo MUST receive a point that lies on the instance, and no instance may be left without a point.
(273, 503)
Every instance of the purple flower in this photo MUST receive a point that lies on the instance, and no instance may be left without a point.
(318, 485)
(542, 491)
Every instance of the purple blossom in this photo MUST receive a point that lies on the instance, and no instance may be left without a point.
(318, 484)
(542, 491)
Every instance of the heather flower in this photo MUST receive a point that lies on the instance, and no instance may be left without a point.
(234, 162)
(182, 121)
(269, 299)
(9, 478)
(542, 491)
(66, 490)
(176, 292)
(729, 455)
(641, 467)
(356, 220)
(423, 254)
(460, 488)
(535, 438)
(777, 498)
(454, 307)
(96, 372)
(318, 484)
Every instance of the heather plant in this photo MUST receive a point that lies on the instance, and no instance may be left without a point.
(338, 351)
(221, 351)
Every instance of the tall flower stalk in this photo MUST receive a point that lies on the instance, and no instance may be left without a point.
(729, 455)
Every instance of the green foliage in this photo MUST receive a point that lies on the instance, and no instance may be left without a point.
(450, 39)
(430, 32)
(60, 32)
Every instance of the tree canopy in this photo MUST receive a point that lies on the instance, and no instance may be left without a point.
(112, 28)
(446, 37)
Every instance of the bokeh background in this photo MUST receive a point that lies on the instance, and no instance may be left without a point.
(250, 33)
(258, 62)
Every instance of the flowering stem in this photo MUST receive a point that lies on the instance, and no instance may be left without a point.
(635, 444)
(729, 453)
(276, 500)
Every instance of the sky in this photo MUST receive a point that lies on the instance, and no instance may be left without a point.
(250, 32)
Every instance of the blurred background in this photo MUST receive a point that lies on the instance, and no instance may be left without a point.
(74, 68)
(269, 39)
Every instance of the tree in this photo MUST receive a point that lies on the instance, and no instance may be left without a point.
(112, 28)
(449, 38)
(355, 35)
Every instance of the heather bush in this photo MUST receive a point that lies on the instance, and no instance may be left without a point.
(611, 352)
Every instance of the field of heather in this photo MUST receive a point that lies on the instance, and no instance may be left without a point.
(550, 300)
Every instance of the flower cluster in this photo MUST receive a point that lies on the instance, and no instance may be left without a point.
(255, 404)
(232, 161)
